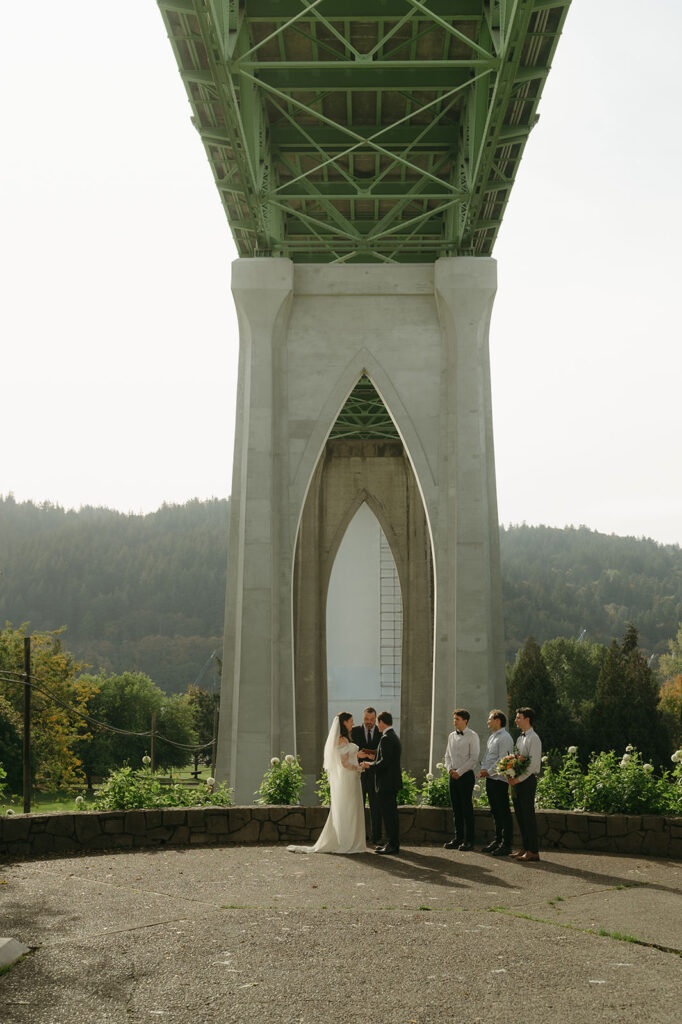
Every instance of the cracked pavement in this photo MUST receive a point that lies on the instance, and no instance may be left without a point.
(255, 933)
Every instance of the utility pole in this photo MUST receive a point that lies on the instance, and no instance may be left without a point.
(27, 725)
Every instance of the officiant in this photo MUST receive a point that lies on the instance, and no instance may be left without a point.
(367, 737)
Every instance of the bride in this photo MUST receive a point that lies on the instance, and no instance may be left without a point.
(344, 831)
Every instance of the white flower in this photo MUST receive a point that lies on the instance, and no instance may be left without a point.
(146, 759)
(648, 767)
(9, 811)
(274, 761)
(290, 759)
(210, 781)
(623, 763)
(629, 748)
(440, 766)
(429, 777)
(626, 758)
(573, 750)
(677, 756)
(544, 758)
(80, 800)
(477, 790)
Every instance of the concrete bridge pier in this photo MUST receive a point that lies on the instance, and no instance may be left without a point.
(308, 332)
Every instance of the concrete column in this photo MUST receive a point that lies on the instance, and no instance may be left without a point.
(469, 653)
(256, 717)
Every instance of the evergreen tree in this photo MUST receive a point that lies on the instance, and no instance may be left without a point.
(530, 685)
(625, 708)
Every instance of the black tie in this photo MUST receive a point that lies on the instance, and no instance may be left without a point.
(459, 733)
(369, 735)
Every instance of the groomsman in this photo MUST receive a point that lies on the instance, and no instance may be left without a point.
(367, 737)
(524, 786)
(461, 759)
(499, 745)
(386, 774)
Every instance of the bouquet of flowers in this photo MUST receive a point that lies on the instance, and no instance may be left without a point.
(512, 765)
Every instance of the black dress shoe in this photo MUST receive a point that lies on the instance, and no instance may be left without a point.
(501, 851)
(465, 847)
(490, 847)
(452, 844)
(388, 849)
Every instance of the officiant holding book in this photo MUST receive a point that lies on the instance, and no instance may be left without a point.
(367, 737)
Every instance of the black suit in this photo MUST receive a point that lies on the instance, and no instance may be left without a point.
(388, 782)
(359, 736)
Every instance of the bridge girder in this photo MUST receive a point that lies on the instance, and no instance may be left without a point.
(364, 130)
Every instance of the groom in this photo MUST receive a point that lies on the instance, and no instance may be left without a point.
(387, 778)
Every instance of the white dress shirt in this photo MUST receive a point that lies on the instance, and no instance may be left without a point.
(530, 745)
(462, 752)
(499, 745)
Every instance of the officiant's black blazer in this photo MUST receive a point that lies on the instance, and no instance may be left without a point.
(386, 767)
(357, 734)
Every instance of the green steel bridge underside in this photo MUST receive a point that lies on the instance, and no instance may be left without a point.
(364, 130)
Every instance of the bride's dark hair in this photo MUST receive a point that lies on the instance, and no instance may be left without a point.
(343, 717)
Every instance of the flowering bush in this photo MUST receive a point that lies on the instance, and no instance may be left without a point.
(282, 782)
(435, 791)
(322, 789)
(126, 789)
(612, 785)
(409, 793)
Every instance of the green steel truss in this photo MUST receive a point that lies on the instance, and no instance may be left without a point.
(364, 130)
(364, 416)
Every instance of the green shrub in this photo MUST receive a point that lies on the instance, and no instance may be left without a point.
(3, 776)
(282, 782)
(611, 785)
(126, 789)
(322, 789)
(409, 793)
(435, 791)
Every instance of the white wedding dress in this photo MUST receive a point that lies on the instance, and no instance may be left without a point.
(344, 831)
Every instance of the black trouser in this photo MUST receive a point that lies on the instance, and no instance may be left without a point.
(369, 790)
(461, 792)
(498, 798)
(388, 806)
(523, 798)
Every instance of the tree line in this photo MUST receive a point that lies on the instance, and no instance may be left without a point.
(147, 593)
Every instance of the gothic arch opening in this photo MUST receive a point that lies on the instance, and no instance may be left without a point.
(364, 622)
(363, 462)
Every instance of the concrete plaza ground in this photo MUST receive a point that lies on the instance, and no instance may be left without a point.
(254, 933)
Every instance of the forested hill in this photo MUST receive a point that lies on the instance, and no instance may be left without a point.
(148, 592)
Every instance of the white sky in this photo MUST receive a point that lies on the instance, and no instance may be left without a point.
(119, 342)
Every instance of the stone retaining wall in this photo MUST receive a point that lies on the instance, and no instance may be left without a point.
(32, 835)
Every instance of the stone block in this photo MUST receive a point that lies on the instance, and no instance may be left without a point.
(200, 839)
(675, 848)
(630, 843)
(180, 835)
(616, 825)
(153, 819)
(596, 826)
(176, 816)
(553, 836)
(676, 831)
(248, 833)
(119, 841)
(294, 819)
(269, 833)
(656, 844)
(134, 823)
(61, 825)
(39, 823)
(218, 823)
(138, 840)
(576, 821)
(238, 817)
(196, 818)
(112, 826)
(634, 822)
(572, 841)
(315, 817)
(65, 844)
(160, 834)
(600, 843)
(86, 827)
(13, 828)
(652, 822)
(42, 843)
